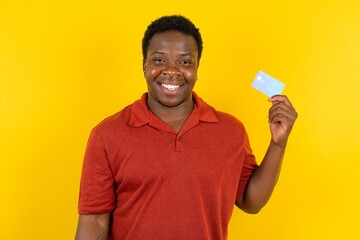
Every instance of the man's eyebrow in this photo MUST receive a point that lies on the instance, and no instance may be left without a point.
(187, 54)
(157, 52)
(181, 55)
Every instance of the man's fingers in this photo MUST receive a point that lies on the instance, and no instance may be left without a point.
(282, 110)
(280, 98)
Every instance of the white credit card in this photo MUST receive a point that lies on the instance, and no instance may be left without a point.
(267, 84)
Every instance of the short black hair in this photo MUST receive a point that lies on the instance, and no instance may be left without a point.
(172, 23)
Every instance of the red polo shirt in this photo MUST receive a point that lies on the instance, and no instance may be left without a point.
(162, 185)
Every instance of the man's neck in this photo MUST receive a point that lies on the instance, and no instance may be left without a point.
(174, 117)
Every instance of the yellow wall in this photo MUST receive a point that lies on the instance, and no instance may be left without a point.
(64, 66)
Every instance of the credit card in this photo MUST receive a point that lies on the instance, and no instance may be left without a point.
(267, 84)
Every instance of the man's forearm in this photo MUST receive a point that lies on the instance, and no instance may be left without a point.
(263, 181)
(93, 227)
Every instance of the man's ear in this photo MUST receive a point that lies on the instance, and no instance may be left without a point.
(144, 68)
(143, 63)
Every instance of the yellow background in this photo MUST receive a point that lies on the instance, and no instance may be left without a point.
(66, 65)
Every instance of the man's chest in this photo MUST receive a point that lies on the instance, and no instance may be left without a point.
(172, 161)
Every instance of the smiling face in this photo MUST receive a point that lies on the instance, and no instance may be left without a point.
(171, 69)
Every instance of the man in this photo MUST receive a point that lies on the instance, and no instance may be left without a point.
(169, 166)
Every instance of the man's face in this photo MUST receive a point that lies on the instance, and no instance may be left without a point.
(171, 68)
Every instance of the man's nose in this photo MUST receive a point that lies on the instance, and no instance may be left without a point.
(171, 71)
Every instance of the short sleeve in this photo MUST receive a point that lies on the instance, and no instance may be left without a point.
(97, 192)
(249, 165)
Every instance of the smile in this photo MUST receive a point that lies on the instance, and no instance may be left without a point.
(170, 87)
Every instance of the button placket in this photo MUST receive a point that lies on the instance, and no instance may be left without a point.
(178, 144)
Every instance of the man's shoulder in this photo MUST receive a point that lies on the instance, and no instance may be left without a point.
(228, 119)
(123, 118)
(223, 118)
(114, 121)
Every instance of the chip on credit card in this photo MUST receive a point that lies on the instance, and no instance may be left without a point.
(267, 84)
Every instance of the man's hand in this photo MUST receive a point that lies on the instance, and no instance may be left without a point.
(282, 116)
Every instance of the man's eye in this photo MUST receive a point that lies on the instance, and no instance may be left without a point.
(186, 62)
(158, 60)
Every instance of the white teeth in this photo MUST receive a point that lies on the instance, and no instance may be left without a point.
(170, 87)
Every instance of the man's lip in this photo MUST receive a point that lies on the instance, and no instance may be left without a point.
(170, 86)
(170, 83)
